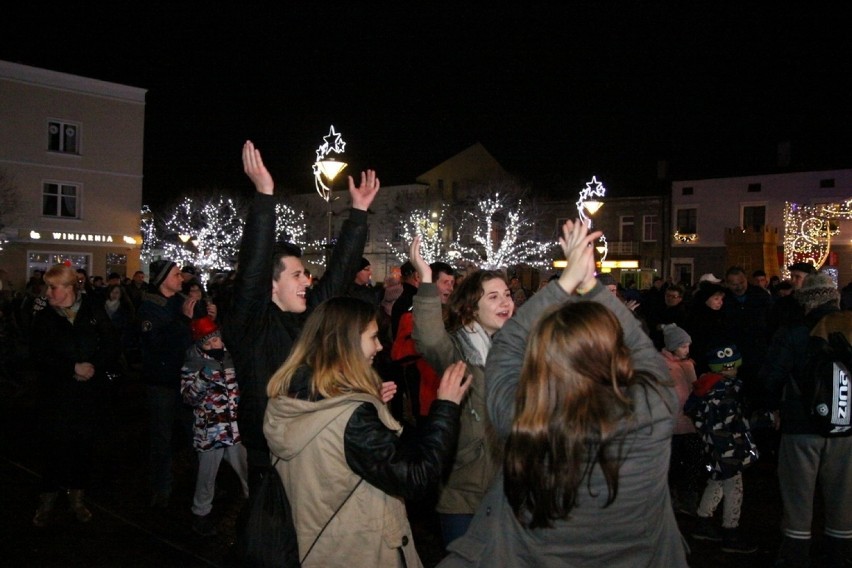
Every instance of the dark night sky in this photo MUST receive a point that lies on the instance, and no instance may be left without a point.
(557, 94)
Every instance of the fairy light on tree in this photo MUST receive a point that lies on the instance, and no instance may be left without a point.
(429, 225)
(501, 236)
(148, 229)
(289, 224)
(209, 234)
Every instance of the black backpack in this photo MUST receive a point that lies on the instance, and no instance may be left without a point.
(825, 386)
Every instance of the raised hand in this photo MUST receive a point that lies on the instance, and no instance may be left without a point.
(416, 259)
(578, 246)
(363, 195)
(255, 170)
(454, 383)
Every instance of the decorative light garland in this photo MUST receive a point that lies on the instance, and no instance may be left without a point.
(428, 224)
(808, 231)
(685, 237)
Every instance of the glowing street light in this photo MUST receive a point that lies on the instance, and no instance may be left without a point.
(326, 166)
(588, 203)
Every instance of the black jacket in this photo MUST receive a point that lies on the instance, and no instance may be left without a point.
(165, 337)
(401, 466)
(256, 331)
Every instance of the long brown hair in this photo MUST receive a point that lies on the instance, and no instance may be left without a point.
(463, 301)
(570, 402)
(330, 344)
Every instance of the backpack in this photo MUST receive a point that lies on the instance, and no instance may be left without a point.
(825, 386)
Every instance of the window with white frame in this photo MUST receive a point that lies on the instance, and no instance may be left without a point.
(650, 228)
(60, 200)
(626, 228)
(63, 137)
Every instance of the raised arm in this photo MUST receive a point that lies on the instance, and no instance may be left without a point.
(349, 248)
(430, 336)
(252, 288)
(503, 368)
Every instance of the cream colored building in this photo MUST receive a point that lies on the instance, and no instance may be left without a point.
(72, 147)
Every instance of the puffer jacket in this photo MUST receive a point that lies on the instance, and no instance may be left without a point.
(326, 446)
(210, 387)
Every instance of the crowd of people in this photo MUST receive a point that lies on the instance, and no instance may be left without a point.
(569, 425)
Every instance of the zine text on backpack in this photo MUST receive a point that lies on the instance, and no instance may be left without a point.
(825, 388)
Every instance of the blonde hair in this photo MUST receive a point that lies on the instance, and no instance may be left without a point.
(60, 274)
(330, 344)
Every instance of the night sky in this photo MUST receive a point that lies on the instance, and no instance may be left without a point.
(556, 94)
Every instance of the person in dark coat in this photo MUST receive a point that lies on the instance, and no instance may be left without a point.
(76, 349)
(261, 327)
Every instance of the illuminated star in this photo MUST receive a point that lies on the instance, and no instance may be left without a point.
(336, 144)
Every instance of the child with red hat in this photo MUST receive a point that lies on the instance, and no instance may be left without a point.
(209, 385)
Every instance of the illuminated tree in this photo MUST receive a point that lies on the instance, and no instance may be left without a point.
(429, 224)
(499, 233)
(204, 233)
(148, 229)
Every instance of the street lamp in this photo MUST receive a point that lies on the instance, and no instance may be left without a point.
(326, 168)
(588, 203)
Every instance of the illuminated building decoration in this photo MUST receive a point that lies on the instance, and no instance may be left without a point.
(587, 202)
(326, 166)
(808, 231)
(501, 237)
(685, 237)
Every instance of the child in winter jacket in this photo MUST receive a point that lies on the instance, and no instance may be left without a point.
(716, 409)
(209, 385)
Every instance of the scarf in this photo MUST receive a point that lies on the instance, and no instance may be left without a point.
(71, 313)
(111, 306)
(474, 344)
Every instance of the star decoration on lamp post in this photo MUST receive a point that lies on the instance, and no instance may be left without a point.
(588, 202)
(326, 166)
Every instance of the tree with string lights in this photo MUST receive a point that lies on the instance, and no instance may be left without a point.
(498, 233)
(429, 225)
(148, 229)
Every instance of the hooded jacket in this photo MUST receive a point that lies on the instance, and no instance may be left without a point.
(327, 446)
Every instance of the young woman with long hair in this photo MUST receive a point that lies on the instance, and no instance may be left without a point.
(328, 428)
(584, 402)
(475, 311)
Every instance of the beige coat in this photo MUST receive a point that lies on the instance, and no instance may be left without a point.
(371, 529)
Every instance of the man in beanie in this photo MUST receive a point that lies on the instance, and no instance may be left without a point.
(209, 386)
(786, 310)
(271, 296)
(362, 286)
(805, 456)
(164, 317)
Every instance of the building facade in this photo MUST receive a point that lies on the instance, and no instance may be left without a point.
(71, 148)
(756, 222)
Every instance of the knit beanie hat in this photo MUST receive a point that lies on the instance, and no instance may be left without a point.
(816, 290)
(158, 270)
(204, 329)
(724, 357)
(364, 264)
(674, 336)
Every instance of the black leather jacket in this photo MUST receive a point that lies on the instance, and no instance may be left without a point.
(256, 331)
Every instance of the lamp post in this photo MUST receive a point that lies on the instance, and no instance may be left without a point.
(326, 168)
(588, 203)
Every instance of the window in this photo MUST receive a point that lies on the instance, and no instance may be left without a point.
(650, 228)
(63, 137)
(687, 221)
(686, 191)
(60, 200)
(441, 184)
(826, 183)
(754, 217)
(626, 228)
(754, 188)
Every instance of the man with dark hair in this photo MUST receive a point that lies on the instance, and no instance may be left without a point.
(759, 280)
(786, 310)
(410, 283)
(261, 328)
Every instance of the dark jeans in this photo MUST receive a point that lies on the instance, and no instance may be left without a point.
(164, 409)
